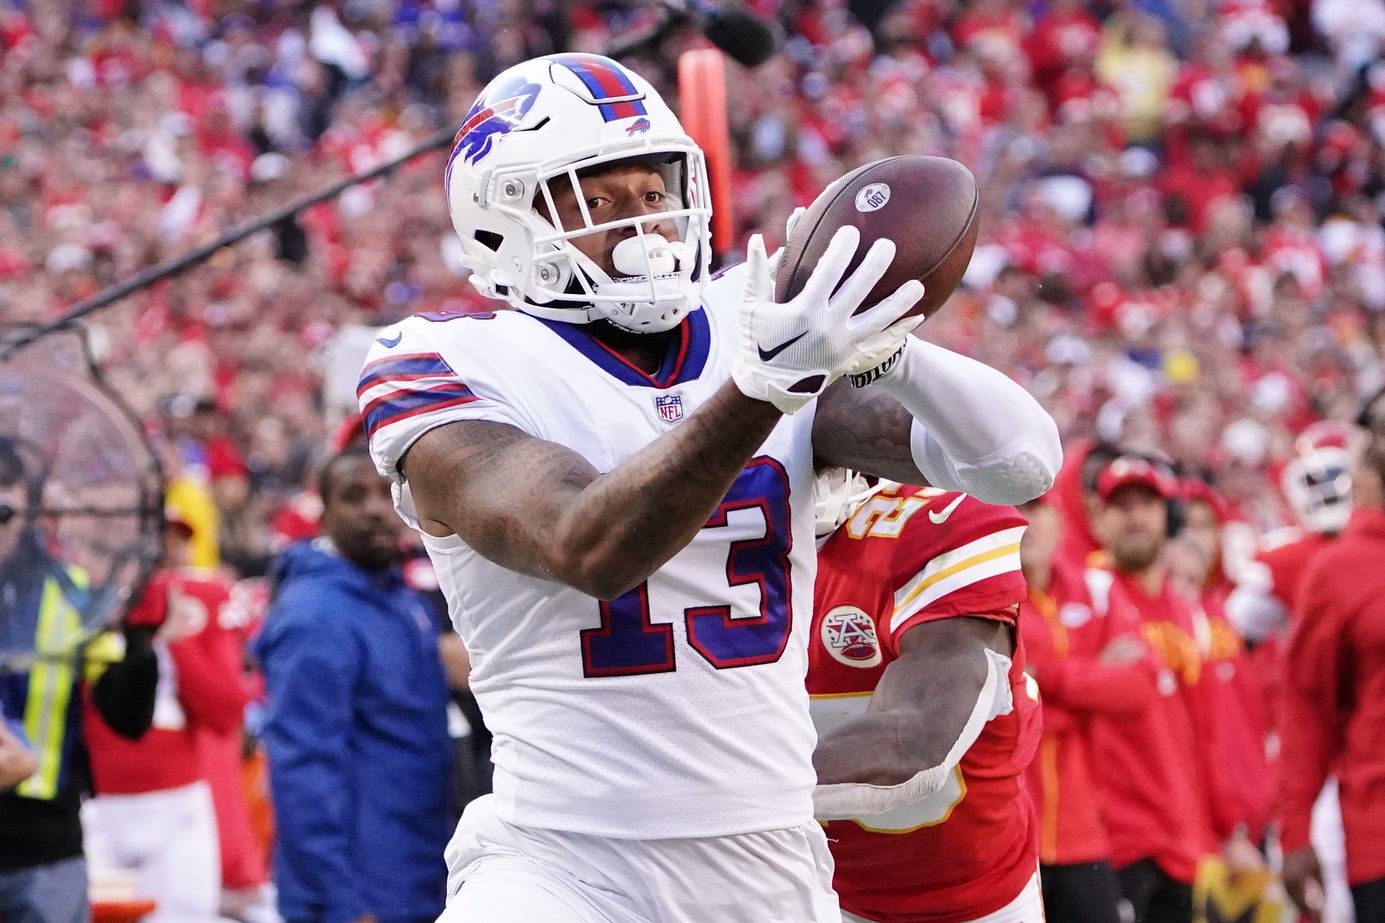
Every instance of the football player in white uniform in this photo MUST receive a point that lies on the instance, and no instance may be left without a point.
(615, 483)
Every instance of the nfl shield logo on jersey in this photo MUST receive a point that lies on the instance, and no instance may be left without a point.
(849, 636)
(670, 407)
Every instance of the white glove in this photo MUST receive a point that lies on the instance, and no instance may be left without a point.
(789, 353)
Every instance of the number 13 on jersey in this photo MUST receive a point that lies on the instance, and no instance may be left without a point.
(628, 643)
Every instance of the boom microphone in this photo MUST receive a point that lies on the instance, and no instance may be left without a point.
(746, 39)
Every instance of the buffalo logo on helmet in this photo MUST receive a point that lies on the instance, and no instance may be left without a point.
(848, 633)
(497, 113)
(637, 127)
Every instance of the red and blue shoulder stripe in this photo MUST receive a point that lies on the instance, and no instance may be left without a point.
(406, 386)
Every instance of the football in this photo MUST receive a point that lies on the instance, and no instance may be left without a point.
(927, 205)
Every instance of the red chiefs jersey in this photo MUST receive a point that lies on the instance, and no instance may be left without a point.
(199, 686)
(910, 556)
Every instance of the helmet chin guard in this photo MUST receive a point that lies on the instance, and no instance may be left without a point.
(562, 118)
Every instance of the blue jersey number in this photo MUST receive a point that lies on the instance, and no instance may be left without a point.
(627, 643)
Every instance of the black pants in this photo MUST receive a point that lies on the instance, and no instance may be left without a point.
(1084, 893)
(1154, 896)
(1369, 899)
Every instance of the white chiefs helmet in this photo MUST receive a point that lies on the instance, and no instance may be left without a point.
(561, 116)
(1317, 483)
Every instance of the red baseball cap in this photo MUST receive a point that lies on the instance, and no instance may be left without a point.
(1132, 469)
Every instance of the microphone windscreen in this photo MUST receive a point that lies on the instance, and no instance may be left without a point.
(746, 40)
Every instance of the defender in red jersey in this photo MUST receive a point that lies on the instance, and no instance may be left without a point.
(917, 680)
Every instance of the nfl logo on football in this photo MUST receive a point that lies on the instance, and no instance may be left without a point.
(670, 407)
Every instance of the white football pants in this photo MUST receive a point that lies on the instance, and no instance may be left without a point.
(501, 873)
(167, 839)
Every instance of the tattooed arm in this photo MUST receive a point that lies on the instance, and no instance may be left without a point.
(866, 430)
(540, 508)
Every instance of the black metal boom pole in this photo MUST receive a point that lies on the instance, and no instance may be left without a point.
(668, 22)
(182, 262)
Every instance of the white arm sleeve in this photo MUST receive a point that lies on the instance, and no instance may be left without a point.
(975, 430)
(853, 799)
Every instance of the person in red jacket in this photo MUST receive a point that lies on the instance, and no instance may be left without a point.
(153, 813)
(1088, 660)
(925, 716)
(1074, 496)
(1334, 694)
(1230, 702)
(1230, 707)
(1148, 765)
(1317, 487)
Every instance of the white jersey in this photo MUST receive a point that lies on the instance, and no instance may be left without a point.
(677, 709)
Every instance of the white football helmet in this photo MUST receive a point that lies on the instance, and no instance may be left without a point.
(561, 116)
(1317, 483)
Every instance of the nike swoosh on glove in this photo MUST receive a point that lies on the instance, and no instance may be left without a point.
(789, 353)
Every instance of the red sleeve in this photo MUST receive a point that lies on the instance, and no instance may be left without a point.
(209, 662)
(1224, 804)
(151, 609)
(1080, 681)
(1099, 688)
(1314, 671)
(959, 556)
(1041, 656)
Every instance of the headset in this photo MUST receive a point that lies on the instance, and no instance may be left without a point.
(1103, 453)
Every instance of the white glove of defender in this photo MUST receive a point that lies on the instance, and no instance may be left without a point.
(789, 353)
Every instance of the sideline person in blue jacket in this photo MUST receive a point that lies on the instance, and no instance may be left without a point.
(356, 727)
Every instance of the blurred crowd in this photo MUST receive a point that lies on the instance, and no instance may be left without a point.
(1181, 242)
(1181, 247)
